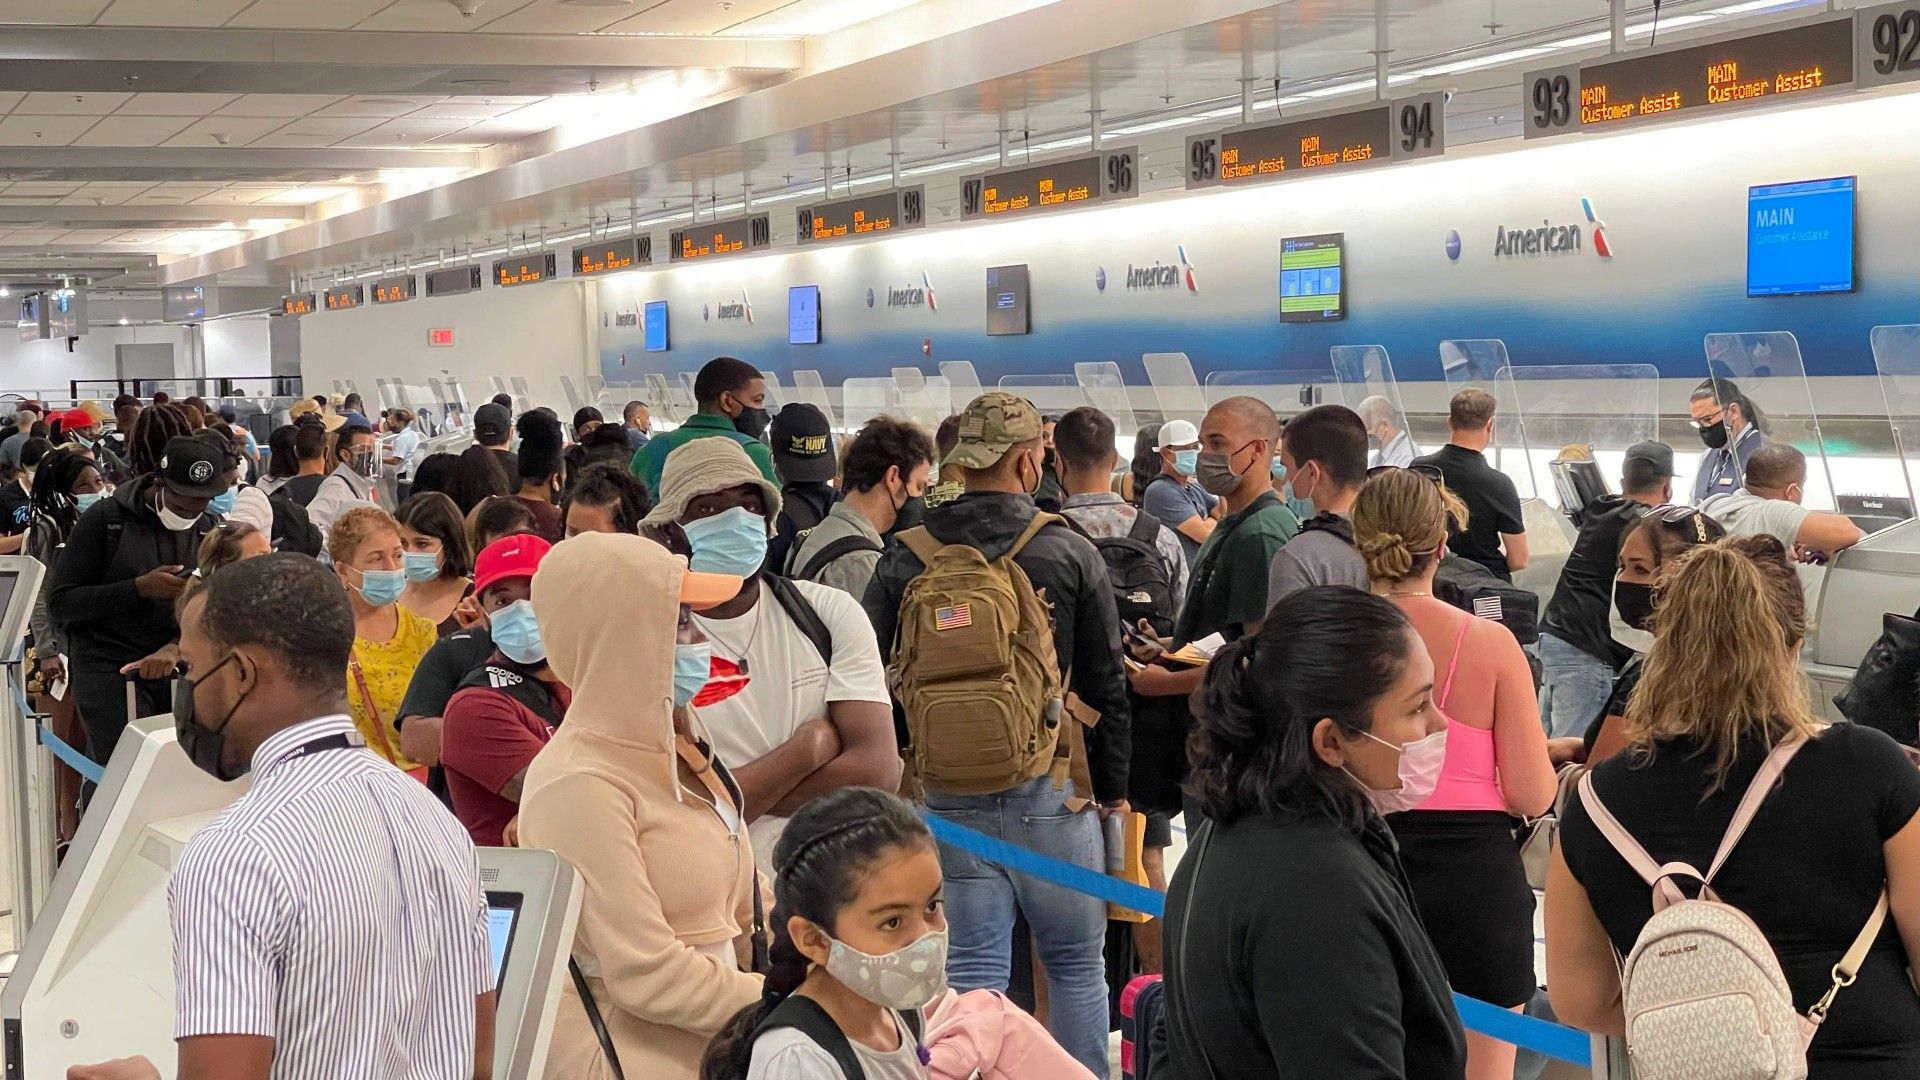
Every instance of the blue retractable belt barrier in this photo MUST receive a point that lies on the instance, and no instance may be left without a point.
(89, 770)
(1554, 1040)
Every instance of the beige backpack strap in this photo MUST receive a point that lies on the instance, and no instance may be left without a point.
(921, 542)
(1848, 967)
(1757, 792)
(1040, 521)
(1070, 754)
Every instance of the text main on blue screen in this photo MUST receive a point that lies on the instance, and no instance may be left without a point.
(656, 326)
(1800, 237)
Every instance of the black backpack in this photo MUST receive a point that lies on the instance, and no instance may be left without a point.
(807, 1017)
(1142, 587)
(1882, 693)
(293, 528)
(1478, 591)
(301, 489)
(826, 556)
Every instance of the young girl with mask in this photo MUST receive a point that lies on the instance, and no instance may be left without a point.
(68, 485)
(1292, 936)
(1487, 764)
(388, 640)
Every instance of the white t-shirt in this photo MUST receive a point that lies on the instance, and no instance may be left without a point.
(787, 682)
(1746, 514)
(788, 1054)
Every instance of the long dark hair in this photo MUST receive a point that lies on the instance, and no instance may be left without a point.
(147, 442)
(1146, 461)
(53, 489)
(614, 487)
(436, 515)
(282, 460)
(818, 865)
(1327, 651)
(478, 477)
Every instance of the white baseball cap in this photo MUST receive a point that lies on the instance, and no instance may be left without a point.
(1178, 433)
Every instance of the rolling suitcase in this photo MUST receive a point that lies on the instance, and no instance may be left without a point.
(1143, 1024)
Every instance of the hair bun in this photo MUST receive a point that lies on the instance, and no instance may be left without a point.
(1386, 555)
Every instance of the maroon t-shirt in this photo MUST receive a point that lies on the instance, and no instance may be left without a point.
(488, 739)
(548, 523)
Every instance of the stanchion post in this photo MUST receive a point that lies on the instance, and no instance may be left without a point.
(20, 748)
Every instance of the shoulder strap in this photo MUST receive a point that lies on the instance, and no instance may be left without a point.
(803, 1014)
(921, 542)
(1040, 521)
(1453, 665)
(800, 610)
(1665, 892)
(1757, 792)
(832, 552)
(1146, 528)
(594, 1019)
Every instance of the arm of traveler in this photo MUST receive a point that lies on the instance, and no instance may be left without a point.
(869, 755)
(1512, 522)
(1828, 533)
(1097, 678)
(1155, 680)
(1515, 545)
(1527, 780)
(483, 1007)
(226, 1057)
(1165, 502)
(766, 781)
(649, 973)
(1583, 978)
(486, 742)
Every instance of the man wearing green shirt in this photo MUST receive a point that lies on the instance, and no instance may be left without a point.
(1227, 591)
(732, 396)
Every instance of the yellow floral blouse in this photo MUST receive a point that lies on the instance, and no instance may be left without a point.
(386, 667)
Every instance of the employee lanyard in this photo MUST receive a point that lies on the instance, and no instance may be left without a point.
(337, 741)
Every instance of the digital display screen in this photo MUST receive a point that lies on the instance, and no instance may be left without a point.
(346, 297)
(612, 256)
(395, 290)
(1313, 278)
(503, 917)
(1800, 238)
(1056, 185)
(803, 315)
(1722, 75)
(709, 240)
(867, 215)
(525, 270)
(453, 282)
(1343, 140)
(298, 304)
(1009, 308)
(180, 303)
(655, 320)
(33, 317)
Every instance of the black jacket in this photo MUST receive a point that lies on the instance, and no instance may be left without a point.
(1070, 575)
(802, 506)
(108, 623)
(1309, 959)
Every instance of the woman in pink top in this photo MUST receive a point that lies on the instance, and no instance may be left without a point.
(1457, 844)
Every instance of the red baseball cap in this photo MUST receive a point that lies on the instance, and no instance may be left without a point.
(76, 418)
(513, 556)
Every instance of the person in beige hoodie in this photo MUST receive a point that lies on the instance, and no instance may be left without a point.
(629, 795)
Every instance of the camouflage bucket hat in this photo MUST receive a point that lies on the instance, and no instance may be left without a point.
(992, 424)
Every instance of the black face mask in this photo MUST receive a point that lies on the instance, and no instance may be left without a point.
(752, 422)
(1634, 603)
(1714, 435)
(910, 515)
(203, 745)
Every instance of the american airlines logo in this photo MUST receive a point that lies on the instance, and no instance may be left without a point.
(740, 309)
(909, 296)
(1164, 275)
(1548, 238)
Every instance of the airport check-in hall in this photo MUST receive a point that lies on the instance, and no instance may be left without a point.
(1116, 512)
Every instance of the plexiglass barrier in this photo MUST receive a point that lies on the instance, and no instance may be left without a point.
(1051, 394)
(963, 381)
(1896, 356)
(1174, 387)
(1478, 362)
(1758, 386)
(810, 388)
(1288, 393)
(1363, 375)
(1108, 392)
(1594, 409)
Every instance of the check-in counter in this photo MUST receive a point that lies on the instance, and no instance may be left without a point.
(1846, 600)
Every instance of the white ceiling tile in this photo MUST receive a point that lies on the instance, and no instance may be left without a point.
(46, 12)
(8, 99)
(43, 187)
(694, 16)
(133, 131)
(34, 236)
(43, 130)
(406, 132)
(90, 236)
(307, 14)
(439, 15)
(106, 197)
(59, 104)
(283, 105)
(553, 17)
(467, 109)
(237, 130)
(170, 12)
(338, 127)
(378, 105)
(174, 104)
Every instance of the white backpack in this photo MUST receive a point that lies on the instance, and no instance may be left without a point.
(1704, 996)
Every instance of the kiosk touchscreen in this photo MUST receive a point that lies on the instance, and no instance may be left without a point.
(94, 980)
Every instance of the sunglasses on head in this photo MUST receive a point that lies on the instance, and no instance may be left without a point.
(1431, 472)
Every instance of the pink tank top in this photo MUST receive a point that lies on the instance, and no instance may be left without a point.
(1469, 779)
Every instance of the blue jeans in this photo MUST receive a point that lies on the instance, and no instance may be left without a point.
(1574, 687)
(1069, 928)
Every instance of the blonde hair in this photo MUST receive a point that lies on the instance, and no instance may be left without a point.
(1400, 523)
(221, 547)
(1722, 668)
(356, 527)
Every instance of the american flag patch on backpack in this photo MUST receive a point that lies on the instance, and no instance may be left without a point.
(953, 618)
(1489, 607)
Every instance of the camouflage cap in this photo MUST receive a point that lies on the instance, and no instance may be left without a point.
(992, 424)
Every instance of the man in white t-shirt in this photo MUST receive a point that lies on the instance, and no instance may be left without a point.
(803, 726)
(1769, 504)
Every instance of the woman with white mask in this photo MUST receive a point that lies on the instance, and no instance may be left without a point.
(1490, 762)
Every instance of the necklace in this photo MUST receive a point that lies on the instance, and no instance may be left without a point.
(740, 655)
(1409, 594)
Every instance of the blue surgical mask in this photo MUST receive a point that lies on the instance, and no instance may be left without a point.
(222, 503)
(381, 587)
(82, 503)
(732, 542)
(1279, 469)
(421, 566)
(1186, 461)
(692, 668)
(517, 634)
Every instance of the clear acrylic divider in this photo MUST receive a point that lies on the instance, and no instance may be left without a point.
(1107, 391)
(596, 387)
(964, 382)
(660, 392)
(522, 395)
(1051, 394)
(1896, 355)
(810, 388)
(1174, 387)
(864, 399)
(1479, 362)
(1763, 375)
(575, 402)
(1363, 375)
(1287, 392)
(683, 396)
(1601, 409)
(922, 400)
(499, 384)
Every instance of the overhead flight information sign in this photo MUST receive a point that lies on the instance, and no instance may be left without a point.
(345, 297)
(1056, 185)
(297, 304)
(1329, 142)
(395, 290)
(868, 215)
(525, 270)
(710, 240)
(612, 256)
(1691, 80)
(454, 281)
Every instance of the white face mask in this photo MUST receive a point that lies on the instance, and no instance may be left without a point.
(174, 522)
(904, 979)
(1420, 763)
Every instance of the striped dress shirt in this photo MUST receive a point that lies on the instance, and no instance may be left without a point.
(335, 908)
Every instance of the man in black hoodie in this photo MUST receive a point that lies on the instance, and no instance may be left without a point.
(115, 583)
(1001, 448)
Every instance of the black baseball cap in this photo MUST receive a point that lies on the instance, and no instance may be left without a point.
(1657, 454)
(803, 445)
(192, 468)
(492, 419)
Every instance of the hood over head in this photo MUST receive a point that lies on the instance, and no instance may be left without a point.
(608, 605)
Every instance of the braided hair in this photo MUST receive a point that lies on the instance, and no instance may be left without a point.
(147, 444)
(52, 499)
(819, 863)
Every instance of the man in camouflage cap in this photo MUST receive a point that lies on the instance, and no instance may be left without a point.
(998, 450)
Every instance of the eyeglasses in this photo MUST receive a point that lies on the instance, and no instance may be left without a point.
(1431, 472)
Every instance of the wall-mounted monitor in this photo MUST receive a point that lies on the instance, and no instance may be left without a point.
(1313, 278)
(1800, 238)
(803, 315)
(655, 321)
(1009, 301)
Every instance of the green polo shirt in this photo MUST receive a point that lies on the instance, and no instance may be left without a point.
(650, 460)
(1229, 586)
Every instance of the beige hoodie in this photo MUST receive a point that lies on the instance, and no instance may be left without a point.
(665, 926)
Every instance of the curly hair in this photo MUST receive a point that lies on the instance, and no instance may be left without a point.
(147, 443)
(356, 527)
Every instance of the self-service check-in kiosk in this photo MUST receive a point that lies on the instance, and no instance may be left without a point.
(94, 979)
